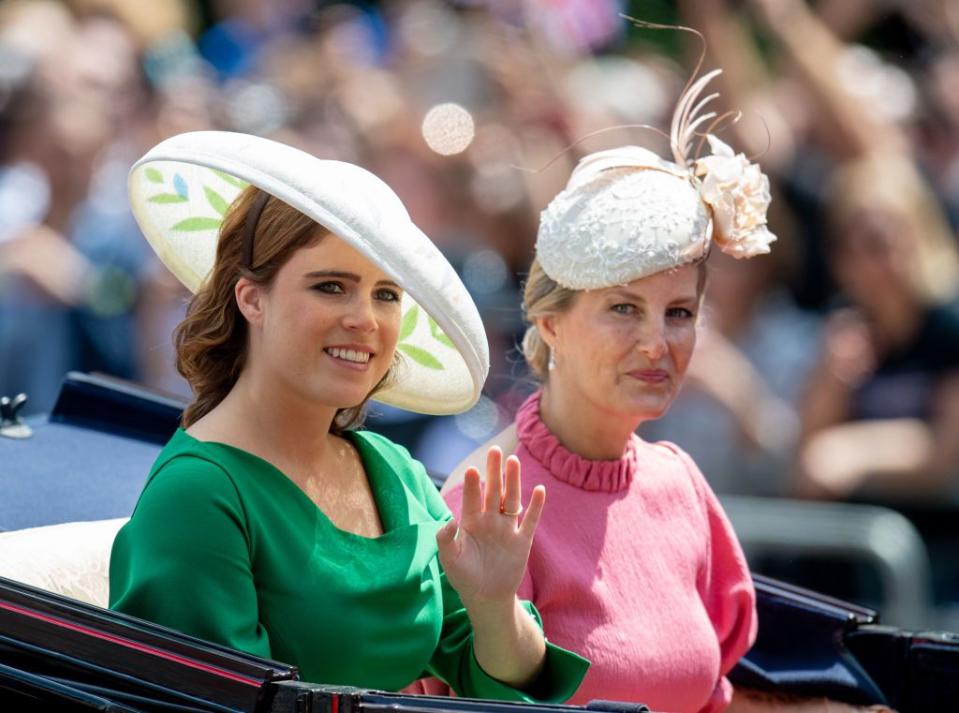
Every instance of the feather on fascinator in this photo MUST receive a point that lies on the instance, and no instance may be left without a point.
(627, 213)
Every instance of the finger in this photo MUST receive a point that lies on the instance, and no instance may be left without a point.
(446, 540)
(494, 479)
(472, 493)
(533, 512)
(513, 498)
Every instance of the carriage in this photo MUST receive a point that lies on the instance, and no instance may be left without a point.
(70, 479)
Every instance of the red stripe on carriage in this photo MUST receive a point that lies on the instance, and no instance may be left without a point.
(130, 644)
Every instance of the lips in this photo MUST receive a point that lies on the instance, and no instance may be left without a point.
(651, 376)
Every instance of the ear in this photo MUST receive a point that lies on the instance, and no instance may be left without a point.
(547, 327)
(250, 299)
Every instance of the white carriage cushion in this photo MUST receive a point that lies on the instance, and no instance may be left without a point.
(72, 559)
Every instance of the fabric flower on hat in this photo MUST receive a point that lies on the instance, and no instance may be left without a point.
(737, 192)
(626, 213)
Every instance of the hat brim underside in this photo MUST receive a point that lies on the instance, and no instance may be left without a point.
(180, 191)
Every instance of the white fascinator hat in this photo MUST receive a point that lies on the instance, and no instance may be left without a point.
(626, 213)
(181, 189)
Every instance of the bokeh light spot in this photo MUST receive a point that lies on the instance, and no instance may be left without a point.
(448, 129)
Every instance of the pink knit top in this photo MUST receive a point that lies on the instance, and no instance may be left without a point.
(635, 567)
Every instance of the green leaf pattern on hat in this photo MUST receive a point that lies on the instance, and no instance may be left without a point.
(417, 353)
(438, 334)
(198, 223)
(167, 198)
(219, 204)
(181, 194)
(216, 200)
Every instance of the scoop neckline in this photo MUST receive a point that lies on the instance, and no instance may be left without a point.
(385, 491)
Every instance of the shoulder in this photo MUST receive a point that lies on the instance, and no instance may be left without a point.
(506, 440)
(186, 497)
(393, 453)
(185, 457)
(670, 453)
(186, 475)
(672, 456)
(378, 451)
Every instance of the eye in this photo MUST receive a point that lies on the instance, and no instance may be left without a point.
(623, 308)
(330, 288)
(680, 313)
(385, 294)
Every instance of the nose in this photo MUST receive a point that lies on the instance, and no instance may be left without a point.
(360, 316)
(652, 340)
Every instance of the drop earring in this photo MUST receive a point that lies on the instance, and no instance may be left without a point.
(551, 364)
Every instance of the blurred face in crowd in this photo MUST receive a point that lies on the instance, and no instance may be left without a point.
(873, 257)
(734, 288)
(93, 84)
(943, 79)
(624, 350)
(326, 327)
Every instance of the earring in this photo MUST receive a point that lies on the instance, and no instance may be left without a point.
(551, 364)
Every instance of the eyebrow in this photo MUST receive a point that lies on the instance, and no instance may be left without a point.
(351, 276)
(623, 293)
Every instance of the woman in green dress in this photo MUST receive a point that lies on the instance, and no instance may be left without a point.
(268, 523)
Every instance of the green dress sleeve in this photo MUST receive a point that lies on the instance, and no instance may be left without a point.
(454, 662)
(183, 560)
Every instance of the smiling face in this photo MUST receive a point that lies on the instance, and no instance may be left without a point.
(624, 350)
(326, 327)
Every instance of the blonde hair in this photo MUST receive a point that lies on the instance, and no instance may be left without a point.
(542, 296)
(893, 183)
(211, 341)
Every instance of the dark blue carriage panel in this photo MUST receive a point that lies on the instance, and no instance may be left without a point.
(89, 459)
(800, 647)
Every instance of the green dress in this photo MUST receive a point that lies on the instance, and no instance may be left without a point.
(224, 546)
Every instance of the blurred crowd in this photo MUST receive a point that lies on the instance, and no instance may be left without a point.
(828, 370)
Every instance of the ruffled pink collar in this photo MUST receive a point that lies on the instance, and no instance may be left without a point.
(602, 475)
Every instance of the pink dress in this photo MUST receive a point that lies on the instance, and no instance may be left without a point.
(636, 567)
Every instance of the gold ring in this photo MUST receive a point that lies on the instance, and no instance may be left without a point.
(504, 511)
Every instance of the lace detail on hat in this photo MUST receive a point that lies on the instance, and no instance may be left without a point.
(626, 213)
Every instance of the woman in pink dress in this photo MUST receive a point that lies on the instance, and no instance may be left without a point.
(635, 565)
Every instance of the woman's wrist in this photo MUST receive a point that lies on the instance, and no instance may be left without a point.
(498, 614)
(508, 644)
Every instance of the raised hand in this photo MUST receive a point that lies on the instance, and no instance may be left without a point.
(850, 351)
(484, 555)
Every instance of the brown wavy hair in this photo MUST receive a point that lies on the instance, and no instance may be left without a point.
(211, 341)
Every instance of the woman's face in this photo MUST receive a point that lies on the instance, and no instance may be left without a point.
(873, 257)
(327, 326)
(624, 350)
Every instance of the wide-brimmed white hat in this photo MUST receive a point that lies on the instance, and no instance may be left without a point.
(627, 213)
(181, 189)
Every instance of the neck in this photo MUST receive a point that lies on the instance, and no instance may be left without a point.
(898, 321)
(583, 428)
(271, 419)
